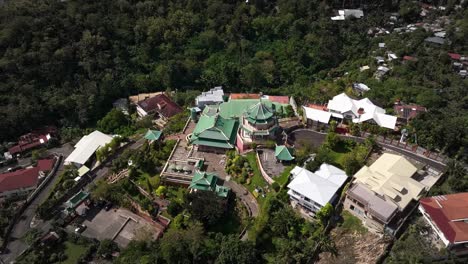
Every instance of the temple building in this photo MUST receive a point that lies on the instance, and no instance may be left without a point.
(203, 181)
(214, 133)
(238, 123)
(259, 123)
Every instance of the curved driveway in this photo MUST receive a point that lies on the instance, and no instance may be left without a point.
(301, 136)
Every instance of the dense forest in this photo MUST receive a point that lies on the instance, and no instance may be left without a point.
(64, 62)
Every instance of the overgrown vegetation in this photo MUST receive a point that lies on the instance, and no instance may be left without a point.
(343, 153)
(65, 62)
(69, 248)
(176, 123)
(64, 184)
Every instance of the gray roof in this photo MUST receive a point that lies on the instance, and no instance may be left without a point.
(214, 95)
(378, 206)
(436, 40)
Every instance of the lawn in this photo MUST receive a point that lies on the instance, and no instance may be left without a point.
(73, 252)
(338, 153)
(282, 180)
(257, 178)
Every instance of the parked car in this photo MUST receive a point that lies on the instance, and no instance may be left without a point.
(80, 228)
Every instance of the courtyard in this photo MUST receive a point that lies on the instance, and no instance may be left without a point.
(119, 225)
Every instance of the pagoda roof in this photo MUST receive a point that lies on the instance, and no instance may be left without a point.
(204, 181)
(259, 112)
(215, 131)
(153, 134)
(284, 153)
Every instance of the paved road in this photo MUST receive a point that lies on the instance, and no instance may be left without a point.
(247, 198)
(301, 136)
(16, 246)
(216, 164)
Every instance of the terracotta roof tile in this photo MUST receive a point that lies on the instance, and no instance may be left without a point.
(444, 210)
(279, 99)
(19, 179)
(161, 104)
(244, 96)
(454, 56)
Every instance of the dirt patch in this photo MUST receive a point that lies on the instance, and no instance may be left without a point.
(354, 247)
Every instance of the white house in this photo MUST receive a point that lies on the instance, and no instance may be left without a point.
(312, 190)
(213, 96)
(358, 111)
(315, 116)
(348, 13)
(342, 106)
(86, 147)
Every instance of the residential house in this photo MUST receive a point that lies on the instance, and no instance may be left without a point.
(435, 40)
(37, 138)
(360, 88)
(86, 147)
(383, 193)
(315, 115)
(364, 68)
(344, 14)
(121, 104)
(406, 112)
(391, 56)
(380, 59)
(161, 106)
(448, 216)
(342, 107)
(381, 72)
(134, 99)
(203, 181)
(313, 190)
(23, 181)
(212, 97)
(409, 58)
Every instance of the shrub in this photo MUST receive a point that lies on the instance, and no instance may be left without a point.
(275, 186)
(174, 209)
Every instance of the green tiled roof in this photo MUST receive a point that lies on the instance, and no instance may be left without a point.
(212, 143)
(259, 112)
(222, 191)
(215, 131)
(237, 107)
(210, 110)
(153, 134)
(283, 153)
(204, 181)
